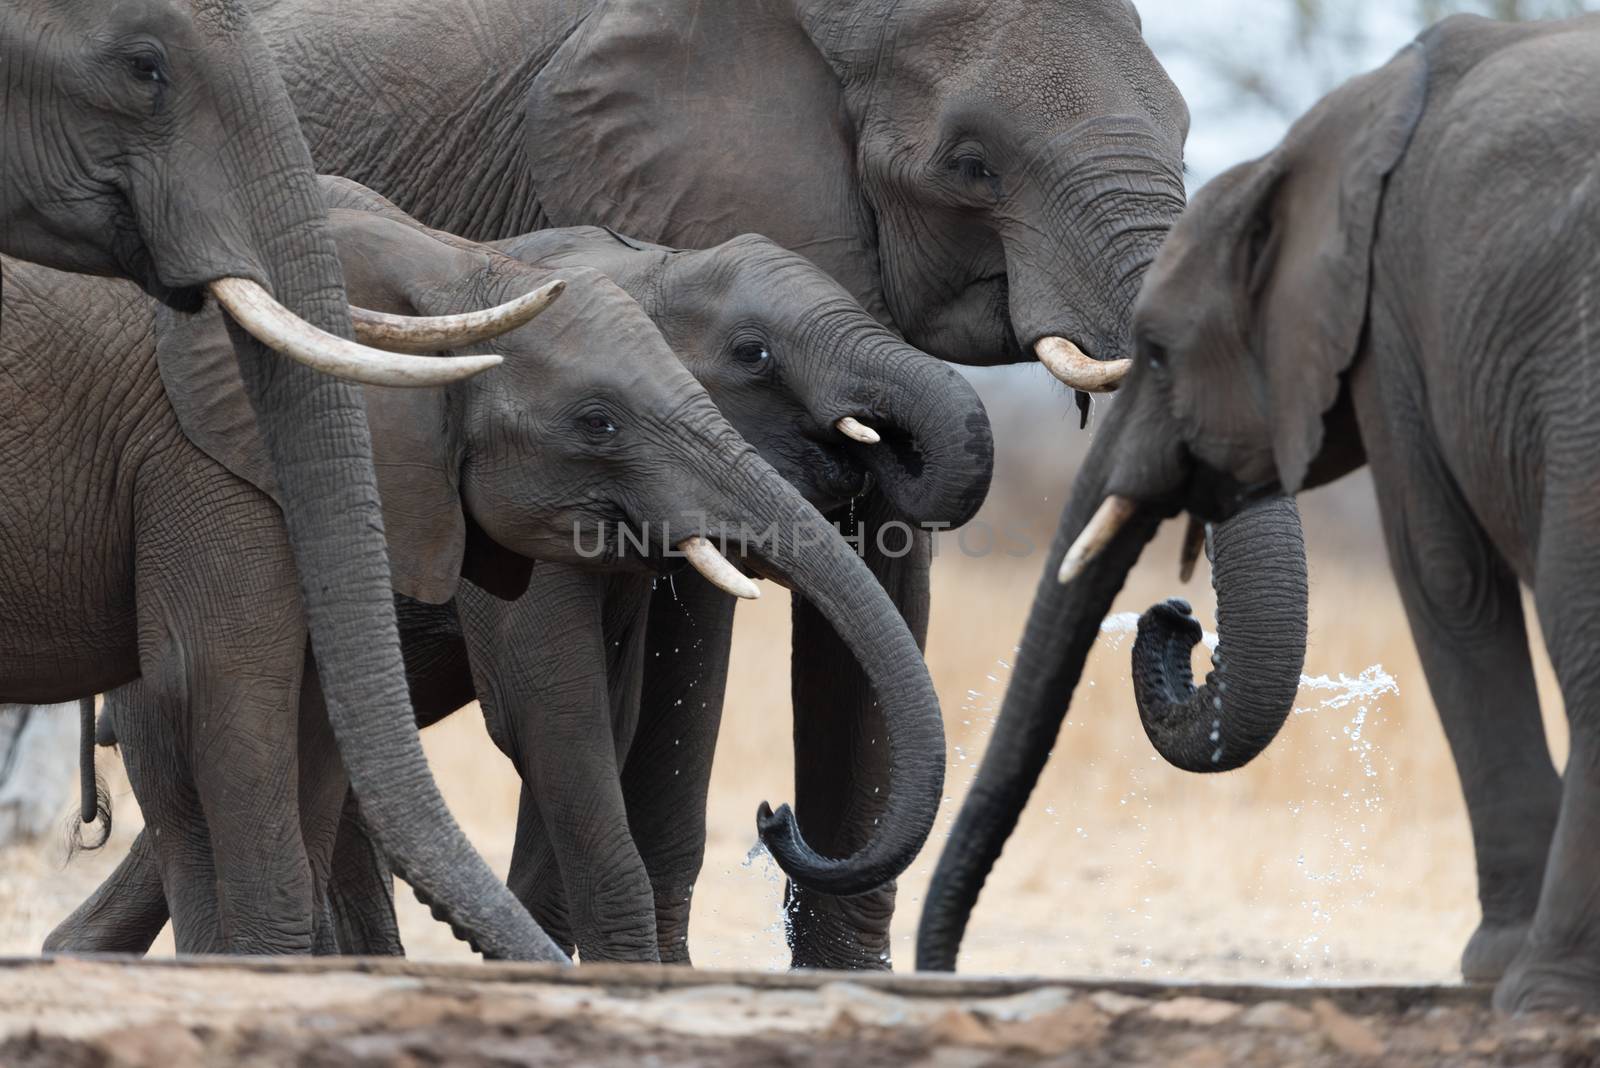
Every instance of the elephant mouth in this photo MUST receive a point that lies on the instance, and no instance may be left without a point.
(828, 475)
(138, 263)
(1216, 497)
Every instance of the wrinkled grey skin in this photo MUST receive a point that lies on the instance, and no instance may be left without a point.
(977, 175)
(783, 352)
(612, 856)
(1408, 281)
(592, 422)
(153, 140)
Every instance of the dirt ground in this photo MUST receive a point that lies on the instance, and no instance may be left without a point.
(219, 1013)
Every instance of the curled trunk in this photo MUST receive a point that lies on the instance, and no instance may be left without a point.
(936, 454)
(810, 557)
(1250, 691)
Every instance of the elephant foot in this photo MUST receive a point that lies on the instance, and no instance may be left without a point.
(1491, 951)
(672, 923)
(839, 933)
(1557, 979)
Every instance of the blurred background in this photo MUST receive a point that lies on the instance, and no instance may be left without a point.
(1342, 854)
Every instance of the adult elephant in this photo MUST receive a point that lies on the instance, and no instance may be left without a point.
(1384, 288)
(153, 140)
(989, 179)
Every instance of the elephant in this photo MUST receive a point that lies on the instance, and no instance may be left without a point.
(989, 179)
(1405, 282)
(153, 140)
(785, 354)
(591, 428)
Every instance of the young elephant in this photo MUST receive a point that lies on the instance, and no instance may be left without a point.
(591, 423)
(786, 355)
(1409, 281)
(789, 358)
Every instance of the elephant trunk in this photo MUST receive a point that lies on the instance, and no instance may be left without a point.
(1227, 722)
(315, 431)
(809, 556)
(1062, 627)
(936, 456)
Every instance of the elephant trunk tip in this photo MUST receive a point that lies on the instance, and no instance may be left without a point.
(1260, 576)
(780, 833)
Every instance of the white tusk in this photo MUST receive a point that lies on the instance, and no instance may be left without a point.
(704, 558)
(275, 326)
(1112, 516)
(1194, 540)
(404, 333)
(857, 431)
(1070, 365)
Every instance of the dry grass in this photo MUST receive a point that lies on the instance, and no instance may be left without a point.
(1341, 854)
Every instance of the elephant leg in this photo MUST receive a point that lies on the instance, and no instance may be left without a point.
(124, 914)
(360, 891)
(840, 763)
(222, 648)
(154, 754)
(1465, 609)
(1559, 966)
(535, 875)
(324, 788)
(245, 784)
(540, 668)
(667, 775)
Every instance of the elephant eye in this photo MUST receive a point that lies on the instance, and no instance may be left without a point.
(597, 424)
(752, 354)
(972, 168)
(146, 66)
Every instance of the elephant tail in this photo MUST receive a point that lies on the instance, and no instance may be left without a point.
(94, 801)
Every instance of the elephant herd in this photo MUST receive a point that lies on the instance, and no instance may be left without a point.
(292, 464)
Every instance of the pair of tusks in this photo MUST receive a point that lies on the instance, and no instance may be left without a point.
(1111, 517)
(275, 326)
(1070, 365)
(704, 558)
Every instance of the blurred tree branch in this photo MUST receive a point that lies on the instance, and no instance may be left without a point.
(1510, 10)
(1323, 30)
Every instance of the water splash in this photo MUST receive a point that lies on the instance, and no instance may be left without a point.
(1372, 683)
(1337, 805)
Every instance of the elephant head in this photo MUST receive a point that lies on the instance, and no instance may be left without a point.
(824, 392)
(153, 139)
(990, 179)
(1252, 314)
(592, 444)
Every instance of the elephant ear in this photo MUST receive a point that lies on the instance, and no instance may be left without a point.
(1322, 215)
(416, 458)
(704, 128)
(200, 375)
(417, 453)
